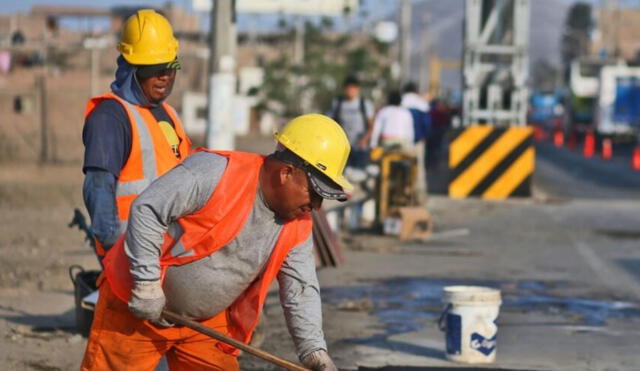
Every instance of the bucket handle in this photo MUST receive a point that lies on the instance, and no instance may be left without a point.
(74, 270)
(442, 324)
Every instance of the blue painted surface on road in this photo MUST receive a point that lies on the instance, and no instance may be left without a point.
(408, 304)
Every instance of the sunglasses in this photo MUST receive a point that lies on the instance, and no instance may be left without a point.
(145, 73)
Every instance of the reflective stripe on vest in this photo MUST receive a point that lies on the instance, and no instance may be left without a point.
(149, 165)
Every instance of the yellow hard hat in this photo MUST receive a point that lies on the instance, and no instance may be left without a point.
(319, 141)
(147, 38)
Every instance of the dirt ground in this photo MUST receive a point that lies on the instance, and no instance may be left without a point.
(36, 250)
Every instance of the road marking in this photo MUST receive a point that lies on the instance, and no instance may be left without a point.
(612, 277)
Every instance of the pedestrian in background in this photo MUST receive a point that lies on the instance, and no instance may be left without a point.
(419, 108)
(355, 114)
(393, 125)
(411, 98)
(131, 135)
(440, 123)
(206, 240)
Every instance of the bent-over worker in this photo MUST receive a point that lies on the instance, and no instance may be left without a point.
(207, 239)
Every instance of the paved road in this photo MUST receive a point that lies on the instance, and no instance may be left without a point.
(567, 174)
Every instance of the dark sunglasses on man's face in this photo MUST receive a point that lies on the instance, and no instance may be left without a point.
(145, 73)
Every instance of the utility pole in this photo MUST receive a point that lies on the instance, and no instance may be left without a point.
(222, 79)
(94, 45)
(41, 89)
(424, 65)
(405, 41)
(298, 45)
(95, 64)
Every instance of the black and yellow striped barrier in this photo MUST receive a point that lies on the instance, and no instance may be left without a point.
(492, 163)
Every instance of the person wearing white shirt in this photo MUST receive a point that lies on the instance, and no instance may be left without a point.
(411, 98)
(393, 125)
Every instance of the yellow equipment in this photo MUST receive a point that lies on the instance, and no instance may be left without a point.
(396, 197)
(321, 142)
(396, 182)
(147, 38)
(436, 65)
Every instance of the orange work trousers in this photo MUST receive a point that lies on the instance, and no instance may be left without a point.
(119, 341)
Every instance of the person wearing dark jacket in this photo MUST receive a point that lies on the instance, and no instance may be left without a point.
(440, 123)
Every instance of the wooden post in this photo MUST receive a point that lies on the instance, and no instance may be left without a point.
(182, 321)
(41, 89)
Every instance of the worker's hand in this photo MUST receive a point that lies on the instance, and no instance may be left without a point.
(362, 143)
(147, 300)
(319, 360)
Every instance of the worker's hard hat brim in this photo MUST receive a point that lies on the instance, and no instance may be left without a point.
(321, 184)
(324, 186)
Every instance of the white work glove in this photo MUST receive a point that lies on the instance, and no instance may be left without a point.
(319, 360)
(147, 301)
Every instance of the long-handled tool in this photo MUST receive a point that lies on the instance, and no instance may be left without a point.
(180, 320)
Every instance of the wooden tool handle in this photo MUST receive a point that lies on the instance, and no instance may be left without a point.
(180, 320)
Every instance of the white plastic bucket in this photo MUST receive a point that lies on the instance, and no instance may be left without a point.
(469, 323)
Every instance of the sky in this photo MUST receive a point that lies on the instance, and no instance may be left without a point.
(12, 6)
(23, 6)
(377, 9)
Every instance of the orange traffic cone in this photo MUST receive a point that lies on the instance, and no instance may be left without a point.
(607, 149)
(635, 159)
(558, 138)
(589, 145)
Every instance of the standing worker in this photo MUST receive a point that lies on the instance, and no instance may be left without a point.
(206, 240)
(355, 114)
(131, 135)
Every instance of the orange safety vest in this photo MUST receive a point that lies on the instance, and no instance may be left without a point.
(150, 155)
(200, 234)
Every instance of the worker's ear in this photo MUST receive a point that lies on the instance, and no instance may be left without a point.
(286, 173)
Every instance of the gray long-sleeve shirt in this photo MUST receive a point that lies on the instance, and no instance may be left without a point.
(205, 287)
